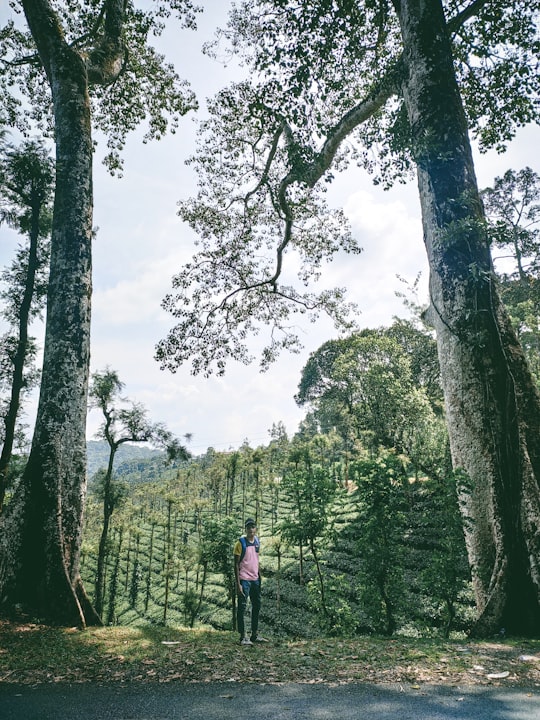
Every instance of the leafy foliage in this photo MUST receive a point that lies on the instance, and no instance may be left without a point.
(120, 425)
(364, 386)
(234, 285)
(128, 422)
(381, 525)
(147, 88)
(325, 90)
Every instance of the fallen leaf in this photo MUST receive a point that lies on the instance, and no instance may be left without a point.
(498, 676)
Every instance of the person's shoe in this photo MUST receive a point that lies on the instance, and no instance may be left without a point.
(259, 639)
(245, 641)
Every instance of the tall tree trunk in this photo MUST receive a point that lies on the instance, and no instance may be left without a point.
(99, 586)
(492, 404)
(319, 576)
(42, 531)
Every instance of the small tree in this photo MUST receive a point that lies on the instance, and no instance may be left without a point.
(217, 541)
(121, 425)
(380, 537)
(513, 211)
(444, 570)
(310, 490)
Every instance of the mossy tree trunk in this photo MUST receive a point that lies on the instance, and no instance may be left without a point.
(41, 533)
(492, 404)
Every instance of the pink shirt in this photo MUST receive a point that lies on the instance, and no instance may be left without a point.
(248, 568)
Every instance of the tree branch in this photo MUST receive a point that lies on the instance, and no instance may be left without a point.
(92, 33)
(106, 60)
(45, 29)
(383, 91)
(311, 173)
(268, 164)
(204, 326)
(455, 23)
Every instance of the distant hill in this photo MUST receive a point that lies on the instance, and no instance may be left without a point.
(98, 455)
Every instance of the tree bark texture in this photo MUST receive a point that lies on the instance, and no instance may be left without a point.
(41, 536)
(492, 404)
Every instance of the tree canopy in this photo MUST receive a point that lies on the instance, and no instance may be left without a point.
(135, 86)
(326, 91)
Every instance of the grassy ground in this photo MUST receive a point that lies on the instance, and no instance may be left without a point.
(33, 654)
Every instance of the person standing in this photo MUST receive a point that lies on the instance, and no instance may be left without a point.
(248, 581)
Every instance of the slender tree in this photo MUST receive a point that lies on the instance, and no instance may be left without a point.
(395, 86)
(310, 491)
(217, 541)
(122, 424)
(381, 527)
(113, 586)
(26, 180)
(513, 210)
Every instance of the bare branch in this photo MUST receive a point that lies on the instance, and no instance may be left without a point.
(268, 165)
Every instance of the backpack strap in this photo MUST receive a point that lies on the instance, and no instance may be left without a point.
(243, 543)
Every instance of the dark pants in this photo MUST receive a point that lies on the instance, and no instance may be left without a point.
(252, 590)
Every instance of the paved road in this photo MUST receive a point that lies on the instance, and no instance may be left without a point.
(225, 701)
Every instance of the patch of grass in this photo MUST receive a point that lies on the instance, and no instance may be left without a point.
(31, 653)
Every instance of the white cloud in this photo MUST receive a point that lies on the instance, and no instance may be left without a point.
(388, 228)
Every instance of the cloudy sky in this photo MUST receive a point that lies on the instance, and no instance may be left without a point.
(141, 243)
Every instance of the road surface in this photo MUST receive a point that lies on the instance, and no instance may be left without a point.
(225, 701)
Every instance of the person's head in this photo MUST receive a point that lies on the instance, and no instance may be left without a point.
(251, 527)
